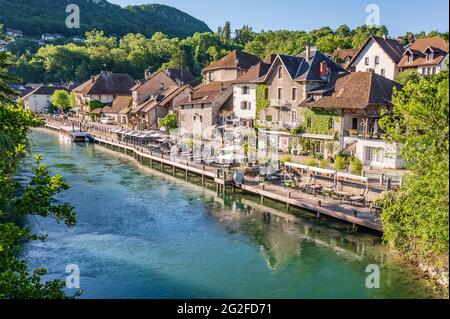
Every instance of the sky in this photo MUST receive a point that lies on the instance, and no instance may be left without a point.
(399, 16)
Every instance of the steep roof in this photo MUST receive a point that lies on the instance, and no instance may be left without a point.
(235, 59)
(154, 83)
(391, 47)
(343, 54)
(45, 90)
(162, 99)
(255, 73)
(120, 103)
(357, 90)
(438, 45)
(206, 93)
(107, 83)
(181, 76)
(301, 70)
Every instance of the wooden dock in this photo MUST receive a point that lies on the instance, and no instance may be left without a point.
(356, 216)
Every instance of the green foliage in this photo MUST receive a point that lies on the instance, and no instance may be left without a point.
(319, 121)
(94, 104)
(407, 76)
(262, 100)
(324, 163)
(340, 162)
(37, 197)
(355, 166)
(311, 162)
(169, 122)
(415, 218)
(286, 159)
(36, 17)
(61, 100)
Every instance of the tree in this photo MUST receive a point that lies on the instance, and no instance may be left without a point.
(169, 122)
(416, 216)
(409, 76)
(37, 197)
(61, 100)
(226, 32)
(244, 35)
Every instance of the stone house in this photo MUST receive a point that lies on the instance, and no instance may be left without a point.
(101, 89)
(230, 67)
(355, 104)
(39, 99)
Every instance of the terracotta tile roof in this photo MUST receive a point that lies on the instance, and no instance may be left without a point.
(236, 59)
(120, 103)
(418, 48)
(107, 83)
(391, 47)
(172, 92)
(181, 76)
(206, 93)
(357, 90)
(343, 54)
(255, 73)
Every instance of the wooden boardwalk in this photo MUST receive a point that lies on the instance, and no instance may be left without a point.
(357, 216)
(321, 205)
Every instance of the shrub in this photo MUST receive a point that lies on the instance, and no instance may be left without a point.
(340, 162)
(285, 159)
(323, 163)
(355, 166)
(289, 149)
(311, 162)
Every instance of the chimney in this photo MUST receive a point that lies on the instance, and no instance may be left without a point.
(308, 52)
(161, 86)
(92, 78)
(384, 36)
(221, 87)
(191, 96)
(147, 73)
(323, 69)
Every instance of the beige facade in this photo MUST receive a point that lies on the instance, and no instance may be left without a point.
(37, 103)
(222, 75)
(145, 90)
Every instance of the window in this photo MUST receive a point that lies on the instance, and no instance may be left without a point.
(294, 116)
(245, 90)
(410, 58)
(430, 56)
(433, 70)
(366, 61)
(294, 94)
(280, 72)
(428, 70)
(374, 154)
(246, 105)
(355, 123)
(330, 123)
(266, 93)
(279, 116)
(268, 118)
(280, 93)
(319, 147)
(377, 60)
(383, 72)
(423, 71)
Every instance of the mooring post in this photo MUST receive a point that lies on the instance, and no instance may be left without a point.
(187, 172)
(203, 179)
(288, 205)
(173, 170)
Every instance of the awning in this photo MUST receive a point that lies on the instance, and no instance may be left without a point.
(353, 177)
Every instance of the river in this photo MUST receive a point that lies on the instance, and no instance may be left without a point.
(143, 234)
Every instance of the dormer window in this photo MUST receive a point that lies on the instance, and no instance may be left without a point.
(430, 56)
(410, 58)
(280, 72)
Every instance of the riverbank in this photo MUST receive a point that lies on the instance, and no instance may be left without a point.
(356, 216)
(175, 239)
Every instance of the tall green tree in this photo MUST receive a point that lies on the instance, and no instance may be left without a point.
(416, 216)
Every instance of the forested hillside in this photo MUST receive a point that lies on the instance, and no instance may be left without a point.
(135, 52)
(35, 17)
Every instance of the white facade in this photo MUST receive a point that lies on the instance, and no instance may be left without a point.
(37, 103)
(373, 57)
(433, 69)
(244, 101)
(378, 154)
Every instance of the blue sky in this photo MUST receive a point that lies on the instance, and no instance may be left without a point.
(399, 16)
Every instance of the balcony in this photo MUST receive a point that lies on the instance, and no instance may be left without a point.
(282, 103)
(361, 135)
